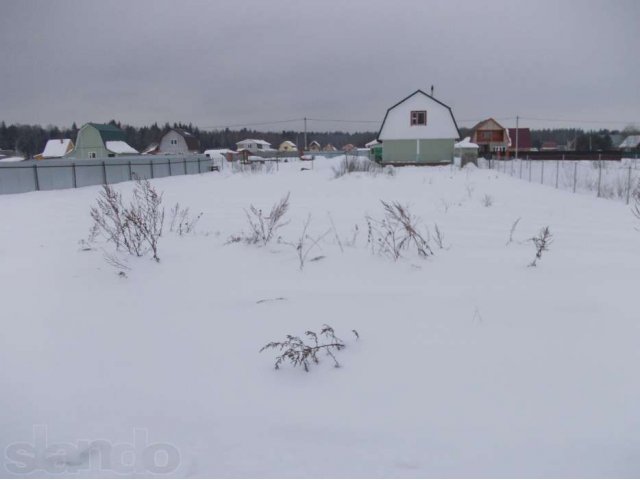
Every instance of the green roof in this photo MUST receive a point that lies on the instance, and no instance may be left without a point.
(108, 132)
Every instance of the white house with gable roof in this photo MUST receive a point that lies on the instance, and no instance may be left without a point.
(418, 130)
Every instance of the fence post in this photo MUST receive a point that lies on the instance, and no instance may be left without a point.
(575, 175)
(104, 171)
(130, 171)
(184, 162)
(199, 167)
(520, 162)
(75, 179)
(529, 170)
(151, 166)
(629, 185)
(35, 175)
(558, 170)
(599, 176)
(542, 172)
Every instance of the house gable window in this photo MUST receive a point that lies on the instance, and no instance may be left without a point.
(418, 117)
(92, 154)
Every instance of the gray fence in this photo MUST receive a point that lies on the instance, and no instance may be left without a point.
(30, 175)
(604, 179)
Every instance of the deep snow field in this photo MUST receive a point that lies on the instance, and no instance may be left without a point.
(469, 363)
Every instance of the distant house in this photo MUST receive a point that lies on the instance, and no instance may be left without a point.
(632, 142)
(549, 146)
(418, 130)
(287, 146)
(96, 140)
(490, 136)
(329, 148)
(348, 147)
(253, 145)
(175, 141)
(314, 146)
(523, 136)
(57, 148)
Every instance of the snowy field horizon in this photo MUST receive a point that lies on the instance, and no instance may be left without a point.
(468, 362)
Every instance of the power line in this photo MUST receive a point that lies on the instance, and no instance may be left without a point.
(343, 121)
(217, 127)
(575, 121)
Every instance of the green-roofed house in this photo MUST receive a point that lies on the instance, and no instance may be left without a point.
(96, 140)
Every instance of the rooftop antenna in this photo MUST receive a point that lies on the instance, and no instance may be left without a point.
(432, 90)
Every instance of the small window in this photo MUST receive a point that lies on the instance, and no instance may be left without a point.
(418, 117)
(259, 146)
(92, 154)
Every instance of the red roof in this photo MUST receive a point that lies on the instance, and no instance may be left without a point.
(524, 138)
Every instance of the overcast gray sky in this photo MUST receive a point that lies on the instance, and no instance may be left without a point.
(217, 63)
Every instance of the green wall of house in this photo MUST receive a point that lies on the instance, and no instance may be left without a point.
(405, 151)
(89, 140)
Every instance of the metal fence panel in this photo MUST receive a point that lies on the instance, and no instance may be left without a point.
(30, 175)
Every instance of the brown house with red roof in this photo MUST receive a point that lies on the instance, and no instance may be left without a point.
(490, 136)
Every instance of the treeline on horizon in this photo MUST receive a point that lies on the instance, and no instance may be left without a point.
(29, 140)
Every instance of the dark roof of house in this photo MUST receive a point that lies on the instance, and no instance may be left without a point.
(109, 133)
(524, 138)
(193, 144)
(407, 98)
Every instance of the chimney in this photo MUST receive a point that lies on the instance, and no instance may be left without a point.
(432, 90)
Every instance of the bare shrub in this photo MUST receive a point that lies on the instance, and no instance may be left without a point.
(469, 187)
(351, 164)
(263, 228)
(541, 242)
(137, 227)
(513, 230)
(306, 243)
(438, 237)
(295, 351)
(181, 221)
(398, 230)
(487, 200)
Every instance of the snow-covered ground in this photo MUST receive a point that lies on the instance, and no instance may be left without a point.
(469, 363)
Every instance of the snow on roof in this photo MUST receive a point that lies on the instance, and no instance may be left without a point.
(218, 153)
(372, 143)
(118, 146)
(288, 142)
(466, 143)
(11, 159)
(631, 141)
(56, 148)
(253, 140)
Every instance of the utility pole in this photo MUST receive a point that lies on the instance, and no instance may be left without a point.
(517, 125)
(305, 134)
